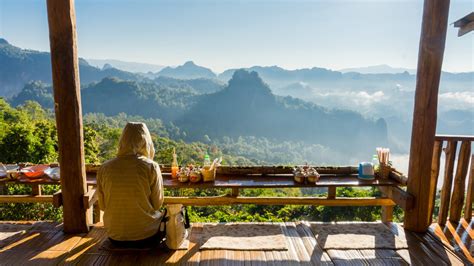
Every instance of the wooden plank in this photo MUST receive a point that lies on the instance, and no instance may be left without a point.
(470, 193)
(317, 254)
(320, 201)
(445, 196)
(457, 199)
(453, 239)
(435, 166)
(454, 138)
(430, 58)
(280, 181)
(67, 105)
(422, 252)
(26, 199)
(366, 257)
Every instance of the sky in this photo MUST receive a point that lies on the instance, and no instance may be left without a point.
(224, 34)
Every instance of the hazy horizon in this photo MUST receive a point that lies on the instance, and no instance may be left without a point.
(235, 34)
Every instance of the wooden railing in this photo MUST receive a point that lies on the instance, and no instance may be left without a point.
(455, 195)
(237, 178)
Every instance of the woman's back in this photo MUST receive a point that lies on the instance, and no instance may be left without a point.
(130, 193)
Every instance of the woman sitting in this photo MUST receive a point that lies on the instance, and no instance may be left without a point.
(130, 189)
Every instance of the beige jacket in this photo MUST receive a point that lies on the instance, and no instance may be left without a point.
(130, 187)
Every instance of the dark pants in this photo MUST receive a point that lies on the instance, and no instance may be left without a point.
(152, 241)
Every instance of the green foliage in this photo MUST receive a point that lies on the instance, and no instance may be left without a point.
(29, 135)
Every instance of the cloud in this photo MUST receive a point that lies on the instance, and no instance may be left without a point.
(457, 100)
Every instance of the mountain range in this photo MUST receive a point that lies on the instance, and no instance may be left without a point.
(245, 107)
(202, 102)
(20, 66)
(134, 67)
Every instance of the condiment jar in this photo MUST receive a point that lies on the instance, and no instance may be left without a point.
(195, 175)
(299, 176)
(182, 175)
(312, 175)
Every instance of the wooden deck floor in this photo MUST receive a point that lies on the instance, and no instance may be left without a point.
(44, 243)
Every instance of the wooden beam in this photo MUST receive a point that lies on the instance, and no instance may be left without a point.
(229, 200)
(445, 197)
(454, 137)
(405, 200)
(457, 199)
(399, 177)
(58, 199)
(26, 199)
(90, 198)
(430, 59)
(466, 29)
(67, 105)
(470, 193)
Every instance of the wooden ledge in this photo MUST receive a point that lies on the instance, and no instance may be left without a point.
(26, 199)
(322, 201)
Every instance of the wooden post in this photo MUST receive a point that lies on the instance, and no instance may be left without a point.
(67, 98)
(332, 192)
(430, 59)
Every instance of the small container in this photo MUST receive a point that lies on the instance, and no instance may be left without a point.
(174, 165)
(384, 170)
(53, 173)
(34, 172)
(312, 175)
(183, 176)
(366, 171)
(299, 175)
(195, 175)
(208, 175)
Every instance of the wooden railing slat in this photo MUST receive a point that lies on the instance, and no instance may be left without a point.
(447, 182)
(435, 166)
(457, 199)
(470, 193)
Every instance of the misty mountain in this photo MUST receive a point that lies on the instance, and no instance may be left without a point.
(125, 65)
(325, 80)
(199, 85)
(247, 107)
(188, 70)
(379, 69)
(20, 66)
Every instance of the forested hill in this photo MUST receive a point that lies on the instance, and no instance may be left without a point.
(248, 108)
(20, 66)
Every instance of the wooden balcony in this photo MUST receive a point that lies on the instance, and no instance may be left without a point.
(44, 243)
